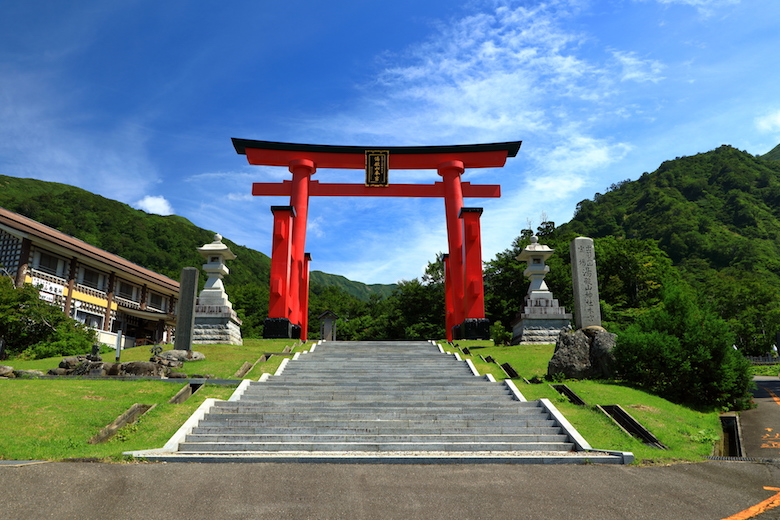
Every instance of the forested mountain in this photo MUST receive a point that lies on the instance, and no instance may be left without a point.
(773, 154)
(709, 221)
(164, 244)
(717, 216)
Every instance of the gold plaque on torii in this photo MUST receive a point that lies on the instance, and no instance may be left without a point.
(377, 167)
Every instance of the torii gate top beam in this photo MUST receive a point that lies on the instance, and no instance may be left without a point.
(270, 153)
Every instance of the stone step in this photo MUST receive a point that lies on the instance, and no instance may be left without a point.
(375, 401)
(374, 438)
(314, 404)
(200, 447)
(500, 393)
(378, 415)
(364, 423)
(530, 427)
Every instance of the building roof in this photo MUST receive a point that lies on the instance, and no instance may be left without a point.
(24, 227)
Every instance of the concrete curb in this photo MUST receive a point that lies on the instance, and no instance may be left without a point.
(172, 445)
(590, 457)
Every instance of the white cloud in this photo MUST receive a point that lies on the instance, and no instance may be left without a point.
(636, 69)
(156, 204)
(769, 122)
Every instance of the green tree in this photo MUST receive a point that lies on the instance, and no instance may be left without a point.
(36, 329)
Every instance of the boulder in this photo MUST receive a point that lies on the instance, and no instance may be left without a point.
(572, 356)
(28, 373)
(6, 371)
(143, 368)
(592, 330)
(601, 357)
(112, 369)
(182, 355)
(87, 368)
(59, 371)
(71, 362)
(583, 354)
(171, 363)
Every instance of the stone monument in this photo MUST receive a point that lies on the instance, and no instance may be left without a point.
(587, 311)
(542, 318)
(185, 316)
(215, 319)
(587, 351)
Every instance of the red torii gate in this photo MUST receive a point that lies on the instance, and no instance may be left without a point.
(464, 291)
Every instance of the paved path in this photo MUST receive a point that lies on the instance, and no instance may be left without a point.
(761, 426)
(709, 490)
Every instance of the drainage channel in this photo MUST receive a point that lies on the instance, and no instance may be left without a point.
(631, 425)
(731, 446)
(569, 394)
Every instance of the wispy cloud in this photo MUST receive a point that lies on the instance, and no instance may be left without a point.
(637, 69)
(704, 7)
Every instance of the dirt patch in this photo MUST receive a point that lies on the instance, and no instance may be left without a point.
(94, 397)
(643, 408)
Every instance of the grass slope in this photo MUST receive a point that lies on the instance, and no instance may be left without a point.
(54, 419)
(690, 434)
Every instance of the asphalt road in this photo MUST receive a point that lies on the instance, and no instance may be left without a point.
(761, 426)
(709, 490)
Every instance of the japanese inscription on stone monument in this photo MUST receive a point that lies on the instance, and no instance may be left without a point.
(377, 166)
(586, 290)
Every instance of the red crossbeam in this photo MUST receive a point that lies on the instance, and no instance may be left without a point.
(360, 190)
(427, 161)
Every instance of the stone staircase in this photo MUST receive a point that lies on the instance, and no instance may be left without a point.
(378, 402)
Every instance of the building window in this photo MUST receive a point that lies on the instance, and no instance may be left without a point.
(156, 301)
(90, 320)
(92, 279)
(49, 264)
(126, 291)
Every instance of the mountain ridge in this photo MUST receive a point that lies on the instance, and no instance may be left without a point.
(164, 244)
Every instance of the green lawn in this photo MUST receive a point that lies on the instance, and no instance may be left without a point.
(689, 434)
(54, 419)
(765, 370)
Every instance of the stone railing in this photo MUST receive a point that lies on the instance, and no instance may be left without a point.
(124, 302)
(91, 291)
(36, 273)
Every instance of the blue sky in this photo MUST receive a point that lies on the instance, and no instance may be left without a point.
(137, 101)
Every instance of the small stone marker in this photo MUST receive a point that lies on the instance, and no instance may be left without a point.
(185, 320)
(587, 310)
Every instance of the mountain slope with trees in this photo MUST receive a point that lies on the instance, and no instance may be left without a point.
(164, 244)
(717, 216)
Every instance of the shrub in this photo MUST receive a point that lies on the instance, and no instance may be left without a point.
(684, 353)
(499, 334)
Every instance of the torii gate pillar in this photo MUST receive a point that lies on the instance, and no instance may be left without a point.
(474, 324)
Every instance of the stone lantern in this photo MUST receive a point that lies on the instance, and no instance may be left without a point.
(542, 318)
(215, 319)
